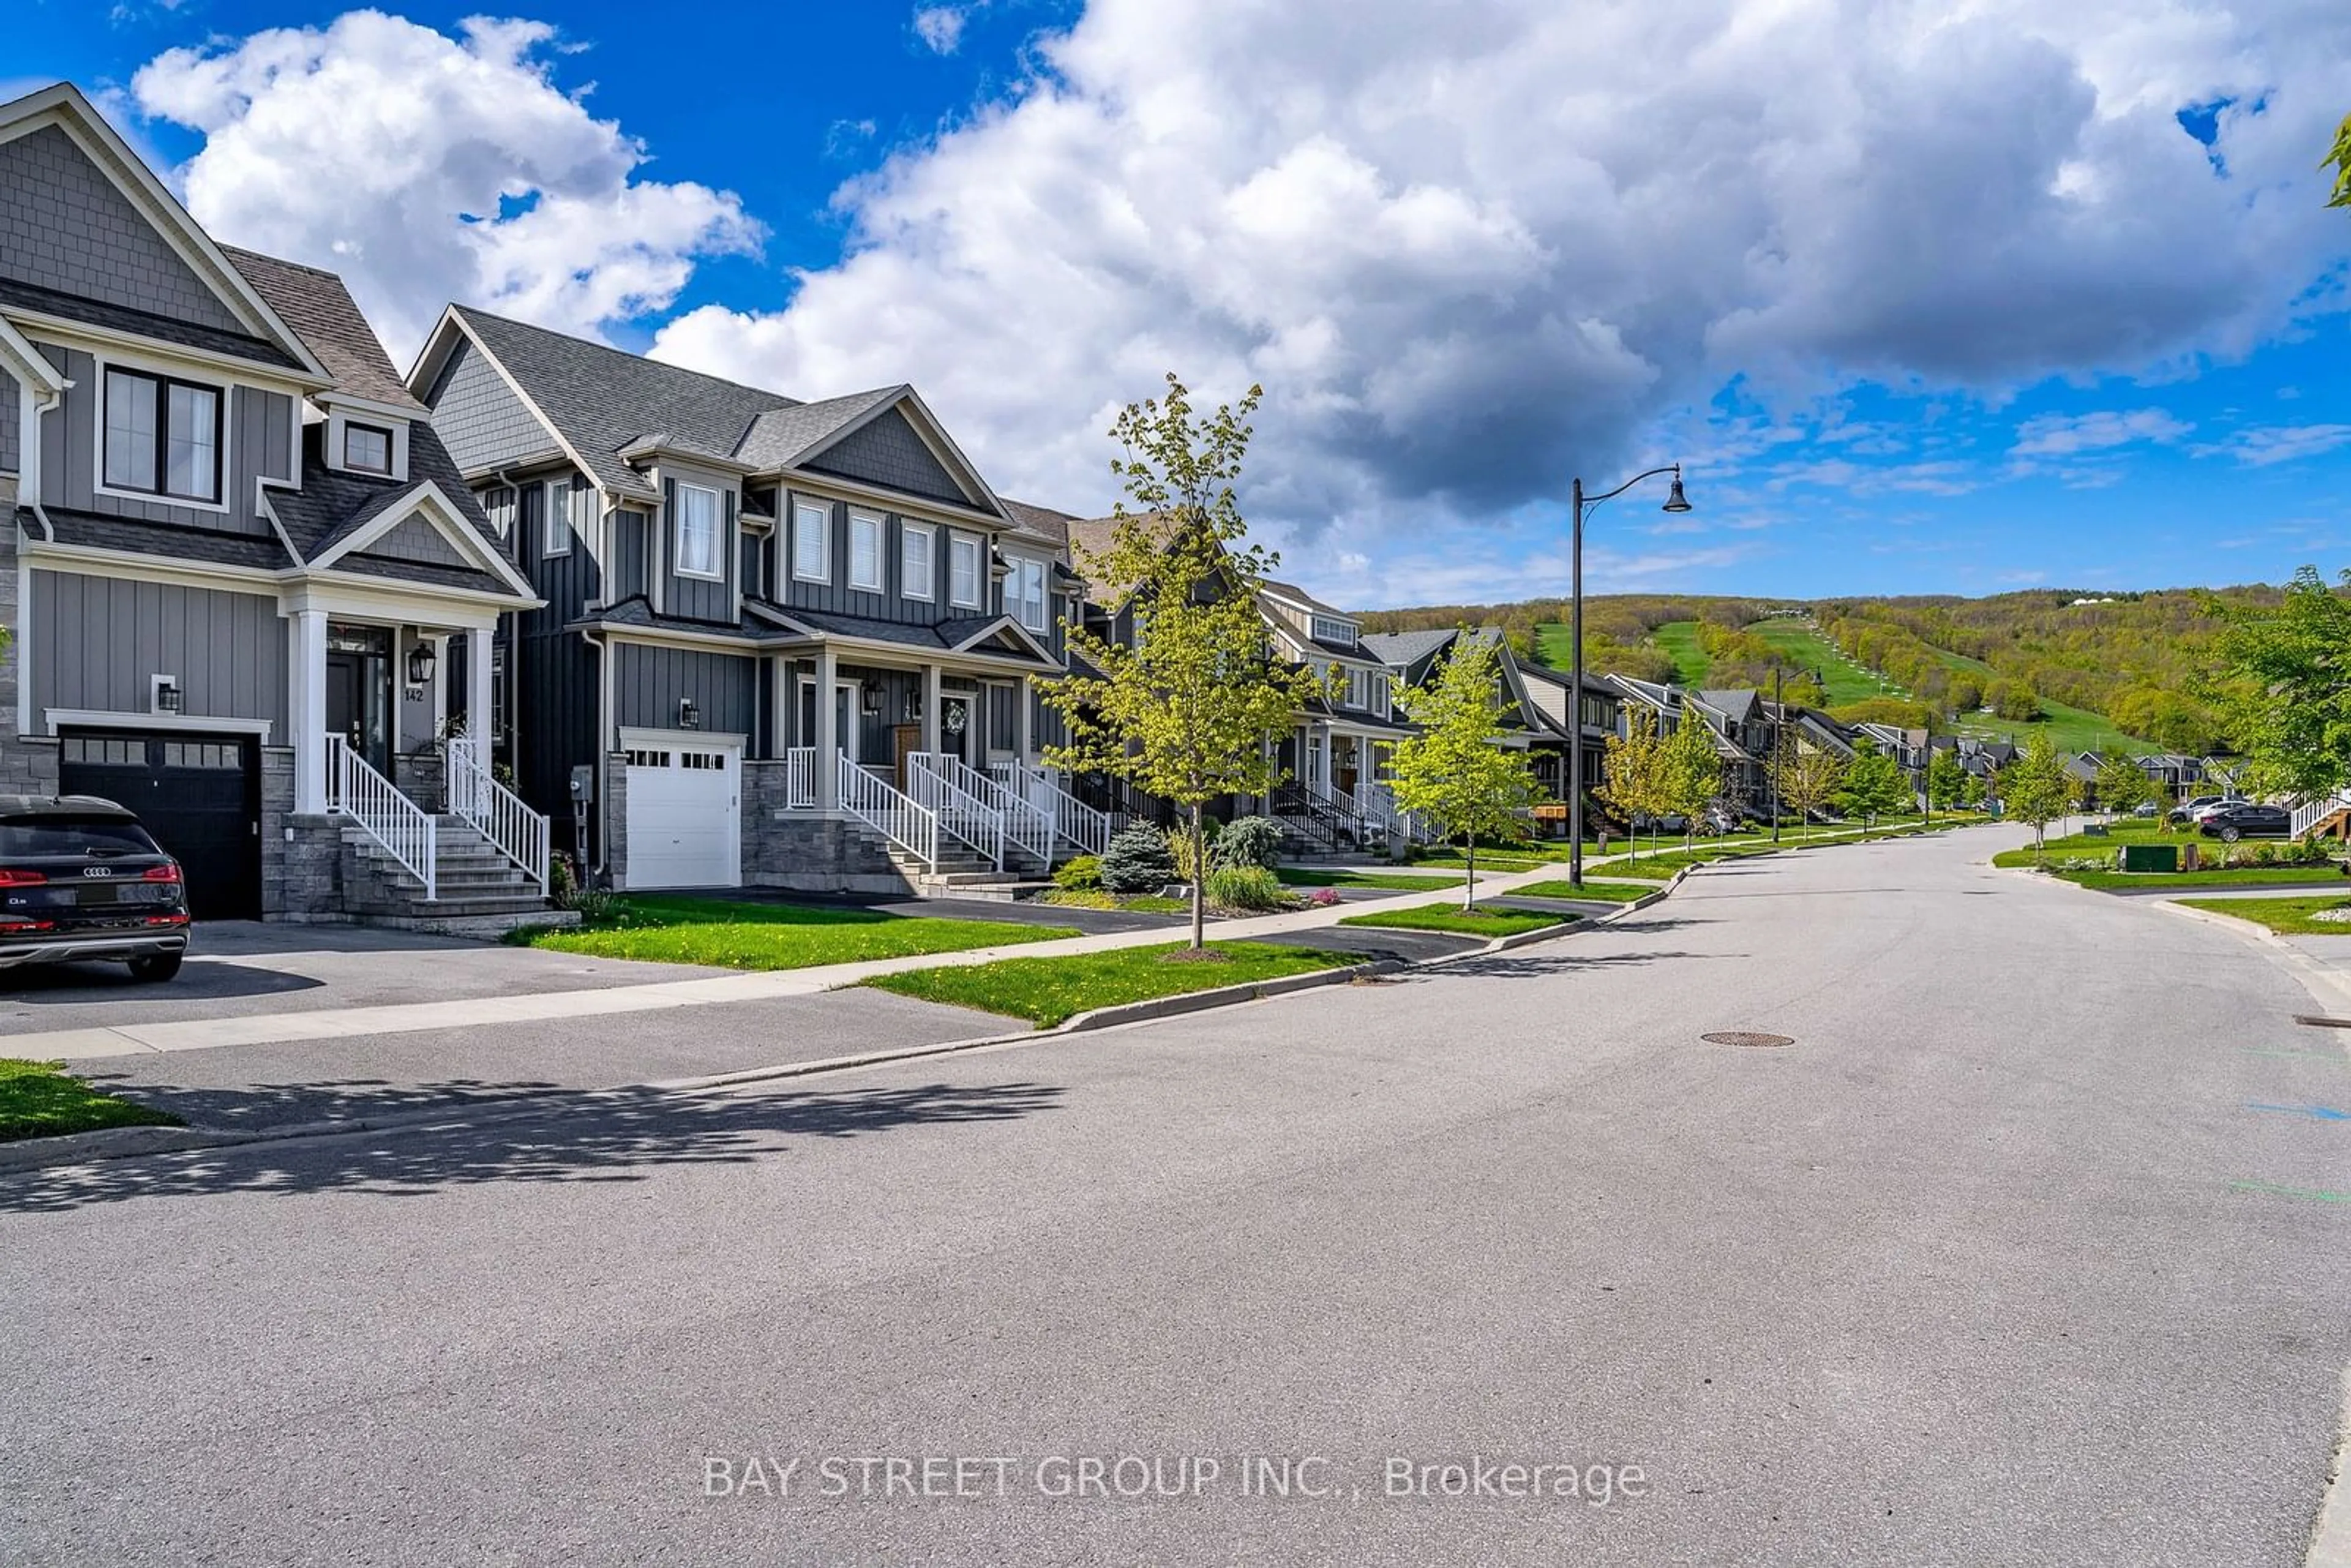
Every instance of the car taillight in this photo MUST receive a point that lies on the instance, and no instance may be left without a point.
(28, 924)
(167, 920)
(160, 873)
(10, 877)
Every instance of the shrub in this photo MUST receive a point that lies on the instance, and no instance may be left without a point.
(1324, 897)
(1137, 861)
(1250, 841)
(562, 884)
(1179, 849)
(1080, 873)
(1246, 887)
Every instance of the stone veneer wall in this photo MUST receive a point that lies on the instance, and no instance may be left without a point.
(301, 857)
(28, 766)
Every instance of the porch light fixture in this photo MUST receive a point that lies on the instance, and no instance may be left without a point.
(688, 715)
(870, 701)
(167, 695)
(421, 660)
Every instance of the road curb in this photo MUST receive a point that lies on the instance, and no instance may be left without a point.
(111, 1144)
(2313, 975)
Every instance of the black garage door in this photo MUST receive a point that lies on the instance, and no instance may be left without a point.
(200, 795)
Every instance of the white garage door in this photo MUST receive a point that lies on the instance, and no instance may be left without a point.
(685, 822)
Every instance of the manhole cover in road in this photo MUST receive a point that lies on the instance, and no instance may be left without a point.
(1745, 1037)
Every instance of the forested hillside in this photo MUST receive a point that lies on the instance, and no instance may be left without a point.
(2096, 668)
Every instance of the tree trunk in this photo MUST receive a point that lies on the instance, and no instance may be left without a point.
(1199, 884)
(1469, 876)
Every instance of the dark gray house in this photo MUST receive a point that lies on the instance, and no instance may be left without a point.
(242, 572)
(782, 643)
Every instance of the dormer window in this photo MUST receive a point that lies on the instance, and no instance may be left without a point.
(1330, 630)
(367, 449)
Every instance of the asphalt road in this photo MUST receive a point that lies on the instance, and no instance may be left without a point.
(2002, 1261)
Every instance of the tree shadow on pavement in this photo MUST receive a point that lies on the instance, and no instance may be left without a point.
(605, 1135)
(1550, 961)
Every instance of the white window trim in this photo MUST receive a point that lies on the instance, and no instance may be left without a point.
(553, 516)
(859, 518)
(717, 528)
(1018, 580)
(822, 571)
(220, 389)
(926, 587)
(956, 536)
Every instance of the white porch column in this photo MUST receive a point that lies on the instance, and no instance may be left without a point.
(307, 712)
(478, 705)
(827, 736)
(1020, 704)
(931, 697)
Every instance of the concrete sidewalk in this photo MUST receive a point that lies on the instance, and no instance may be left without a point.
(334, 1023)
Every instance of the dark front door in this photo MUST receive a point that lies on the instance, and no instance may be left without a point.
(359, 692)
(199, 795)
(955, 726)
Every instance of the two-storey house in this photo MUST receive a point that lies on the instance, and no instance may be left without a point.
(240, 572)
(782, 643)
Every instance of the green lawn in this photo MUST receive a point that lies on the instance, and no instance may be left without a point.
(1446, 917)
(42, 1100)
(772, 936)
(1591, 891)
(2234, 876)
(2078, 844)
(1843, 681)
(1048, 991)
(1340, 876)
(1096, 898)
(2286, 916)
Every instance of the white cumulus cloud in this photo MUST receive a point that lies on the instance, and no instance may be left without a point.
(940, 28)
(1472, 249)
(425, 169)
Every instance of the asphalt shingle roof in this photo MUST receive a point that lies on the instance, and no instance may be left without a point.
(1409, 648)
(779, 437)
(1042, 523)
(601, 398)
(323, 313)
(99, 530)
(332, 504)
(163, 328)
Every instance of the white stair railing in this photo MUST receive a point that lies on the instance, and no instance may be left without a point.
(912, 827)
(1072, 818)
(1026, 824)
(799, 777)
(496, 812)
(404, 829)
(959, 812)
(2310, 813)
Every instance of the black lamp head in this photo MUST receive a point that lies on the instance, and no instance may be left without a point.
(1675, 500)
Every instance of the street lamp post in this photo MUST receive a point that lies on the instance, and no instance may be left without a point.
(1675, 502)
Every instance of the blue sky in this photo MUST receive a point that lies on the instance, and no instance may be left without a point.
(1959, 303)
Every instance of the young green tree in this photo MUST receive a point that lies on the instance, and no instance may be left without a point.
(2339, 158)
(2123, 785)
(1805, 777)
(1691, 774)
(1635, 772)
(2292, 686)
(1188, 708)
(1973, 796)
(1454, 771)
(1946, 781)
(2036, 789)
(1874, 785)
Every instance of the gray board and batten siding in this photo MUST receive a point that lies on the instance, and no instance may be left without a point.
(552, 671)
(98, 640)
(650, 682)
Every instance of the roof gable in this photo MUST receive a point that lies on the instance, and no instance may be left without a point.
(86, 219)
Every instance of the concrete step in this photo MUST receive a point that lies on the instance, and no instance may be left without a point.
(993, 890)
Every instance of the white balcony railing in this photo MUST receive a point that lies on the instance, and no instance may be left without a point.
(959, 812)
(800, 778)
(404, 829)
(496, 812)
(1073, 820)
(910, 826)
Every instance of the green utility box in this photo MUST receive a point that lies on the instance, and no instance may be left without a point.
(2150, 857)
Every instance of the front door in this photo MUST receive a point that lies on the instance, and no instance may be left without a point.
(955, 726)
(359, 692)
(904, 740)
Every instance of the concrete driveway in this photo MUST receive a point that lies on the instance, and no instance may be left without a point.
(238, 969)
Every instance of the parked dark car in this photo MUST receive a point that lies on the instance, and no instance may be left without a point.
(2187, 812)
(2245, 819)
(81, 879)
